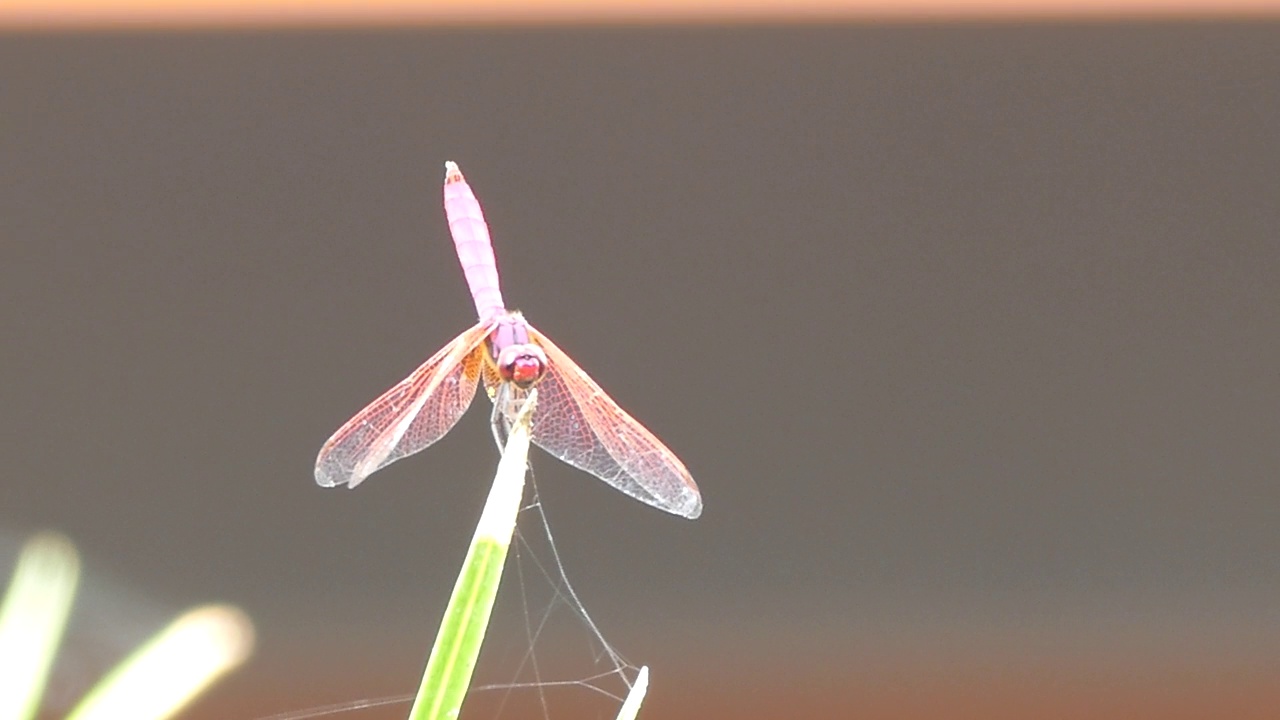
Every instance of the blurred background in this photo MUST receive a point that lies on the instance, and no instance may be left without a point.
(968, 333)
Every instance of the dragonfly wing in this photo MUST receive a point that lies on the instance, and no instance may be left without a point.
(577, 422)
(413, 414)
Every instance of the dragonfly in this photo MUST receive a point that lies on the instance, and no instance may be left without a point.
(573, 418)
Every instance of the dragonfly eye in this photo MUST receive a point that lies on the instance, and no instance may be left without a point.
(523, 365)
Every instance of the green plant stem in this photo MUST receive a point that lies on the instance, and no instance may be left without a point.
(631, 705)
(453, 657)
(32, 620)
(172, 668)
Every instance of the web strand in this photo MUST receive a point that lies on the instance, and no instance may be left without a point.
(534, 567)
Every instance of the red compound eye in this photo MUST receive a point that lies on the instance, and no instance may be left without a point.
(525, 370)
(523, 365)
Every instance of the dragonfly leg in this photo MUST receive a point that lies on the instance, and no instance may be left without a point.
(499, 422)
(501, 427)
(508, 402)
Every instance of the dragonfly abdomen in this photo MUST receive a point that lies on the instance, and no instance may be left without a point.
(471, 238)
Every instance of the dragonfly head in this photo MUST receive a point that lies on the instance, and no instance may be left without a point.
(524, 364)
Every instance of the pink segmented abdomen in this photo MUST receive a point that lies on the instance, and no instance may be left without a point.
(471, 238)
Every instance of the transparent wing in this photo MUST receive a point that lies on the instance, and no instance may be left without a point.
(418, 411)
(577, 422)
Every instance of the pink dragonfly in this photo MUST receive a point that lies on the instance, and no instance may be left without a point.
(573, 418)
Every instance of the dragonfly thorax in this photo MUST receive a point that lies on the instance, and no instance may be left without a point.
(523, 365)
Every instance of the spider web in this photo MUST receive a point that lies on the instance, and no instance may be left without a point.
(552, 616)
(517, 675)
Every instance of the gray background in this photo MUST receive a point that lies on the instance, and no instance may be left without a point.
(968, 335)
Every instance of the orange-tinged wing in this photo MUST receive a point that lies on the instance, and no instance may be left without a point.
(577, 422)
(418, 411)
